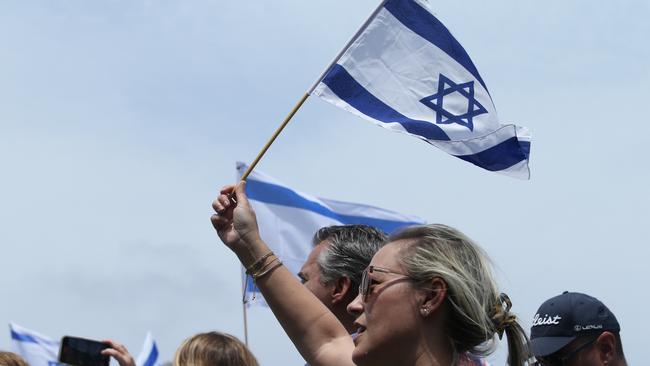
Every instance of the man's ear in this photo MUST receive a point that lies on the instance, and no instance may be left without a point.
(341, 289)
(606, 347)
(434, 296)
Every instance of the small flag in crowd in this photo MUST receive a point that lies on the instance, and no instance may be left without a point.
(407, 73)
(288, 219)
(149, 354)
(40, 350)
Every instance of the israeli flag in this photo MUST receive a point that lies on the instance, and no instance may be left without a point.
(288, 219)
(149, 354)
(35, 348)
(407, 73)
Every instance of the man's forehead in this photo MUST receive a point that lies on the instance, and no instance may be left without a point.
(313, 255)
(322, 243)
(318, 248)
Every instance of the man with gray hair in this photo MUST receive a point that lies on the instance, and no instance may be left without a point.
(334, 267)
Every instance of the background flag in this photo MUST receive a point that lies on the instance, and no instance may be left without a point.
(407, 73)
(288, 219)
(149, 354)
(35, 348)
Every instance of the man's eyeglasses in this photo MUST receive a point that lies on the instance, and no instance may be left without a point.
(563, 360)
(366, 281)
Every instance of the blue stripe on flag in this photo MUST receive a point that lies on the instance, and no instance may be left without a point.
(500, 156)
(250, 285)
(22, 337)
(278, 195)
(153, 356)
(423, 23)
(345, 87)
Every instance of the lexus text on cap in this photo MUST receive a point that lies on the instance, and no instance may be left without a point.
(563, 318)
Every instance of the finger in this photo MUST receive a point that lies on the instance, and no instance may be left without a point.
(222, 203)
(123, 358)
(113, 353)
(227, 189)
(240, 194)
(224, 200)
(112, 343)
(217, 206)
(115, 345)
(110, 352)
(219, 222)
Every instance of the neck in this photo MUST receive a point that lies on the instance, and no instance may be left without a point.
(344, 317)
(429, 356)
(434, 348)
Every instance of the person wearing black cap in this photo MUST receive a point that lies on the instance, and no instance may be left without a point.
(575, 329)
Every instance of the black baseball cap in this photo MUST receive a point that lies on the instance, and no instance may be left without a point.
(563, 318)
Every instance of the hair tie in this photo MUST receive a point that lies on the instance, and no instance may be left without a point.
(502, 318)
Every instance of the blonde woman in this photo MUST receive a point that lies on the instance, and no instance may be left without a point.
(427, 298)
(213, 349)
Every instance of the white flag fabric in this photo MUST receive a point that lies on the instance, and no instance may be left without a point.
(40, 350)
(35, 348)
(288, 219)
(406, 72)
(149, 354)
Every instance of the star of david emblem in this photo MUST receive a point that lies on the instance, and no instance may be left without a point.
(447, 87)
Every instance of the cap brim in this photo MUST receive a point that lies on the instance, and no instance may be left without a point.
(544, 346)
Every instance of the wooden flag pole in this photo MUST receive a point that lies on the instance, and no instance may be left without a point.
(304, 97)
(244, 283)
(275, 135)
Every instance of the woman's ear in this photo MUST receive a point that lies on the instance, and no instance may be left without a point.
(435, 294)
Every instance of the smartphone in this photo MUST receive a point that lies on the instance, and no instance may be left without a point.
(82, 352)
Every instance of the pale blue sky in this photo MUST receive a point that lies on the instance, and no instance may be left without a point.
(120, 119)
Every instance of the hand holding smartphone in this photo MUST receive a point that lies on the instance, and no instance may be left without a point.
(82, 352)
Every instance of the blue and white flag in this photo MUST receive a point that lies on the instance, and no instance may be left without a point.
(35, 348)
(149, 354)
(407, 73)
(288, 219)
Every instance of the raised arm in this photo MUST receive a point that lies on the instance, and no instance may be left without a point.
(317, 334)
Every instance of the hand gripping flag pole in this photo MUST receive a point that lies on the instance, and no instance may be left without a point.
(308, 93)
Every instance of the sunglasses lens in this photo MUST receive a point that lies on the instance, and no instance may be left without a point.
(363, 288)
